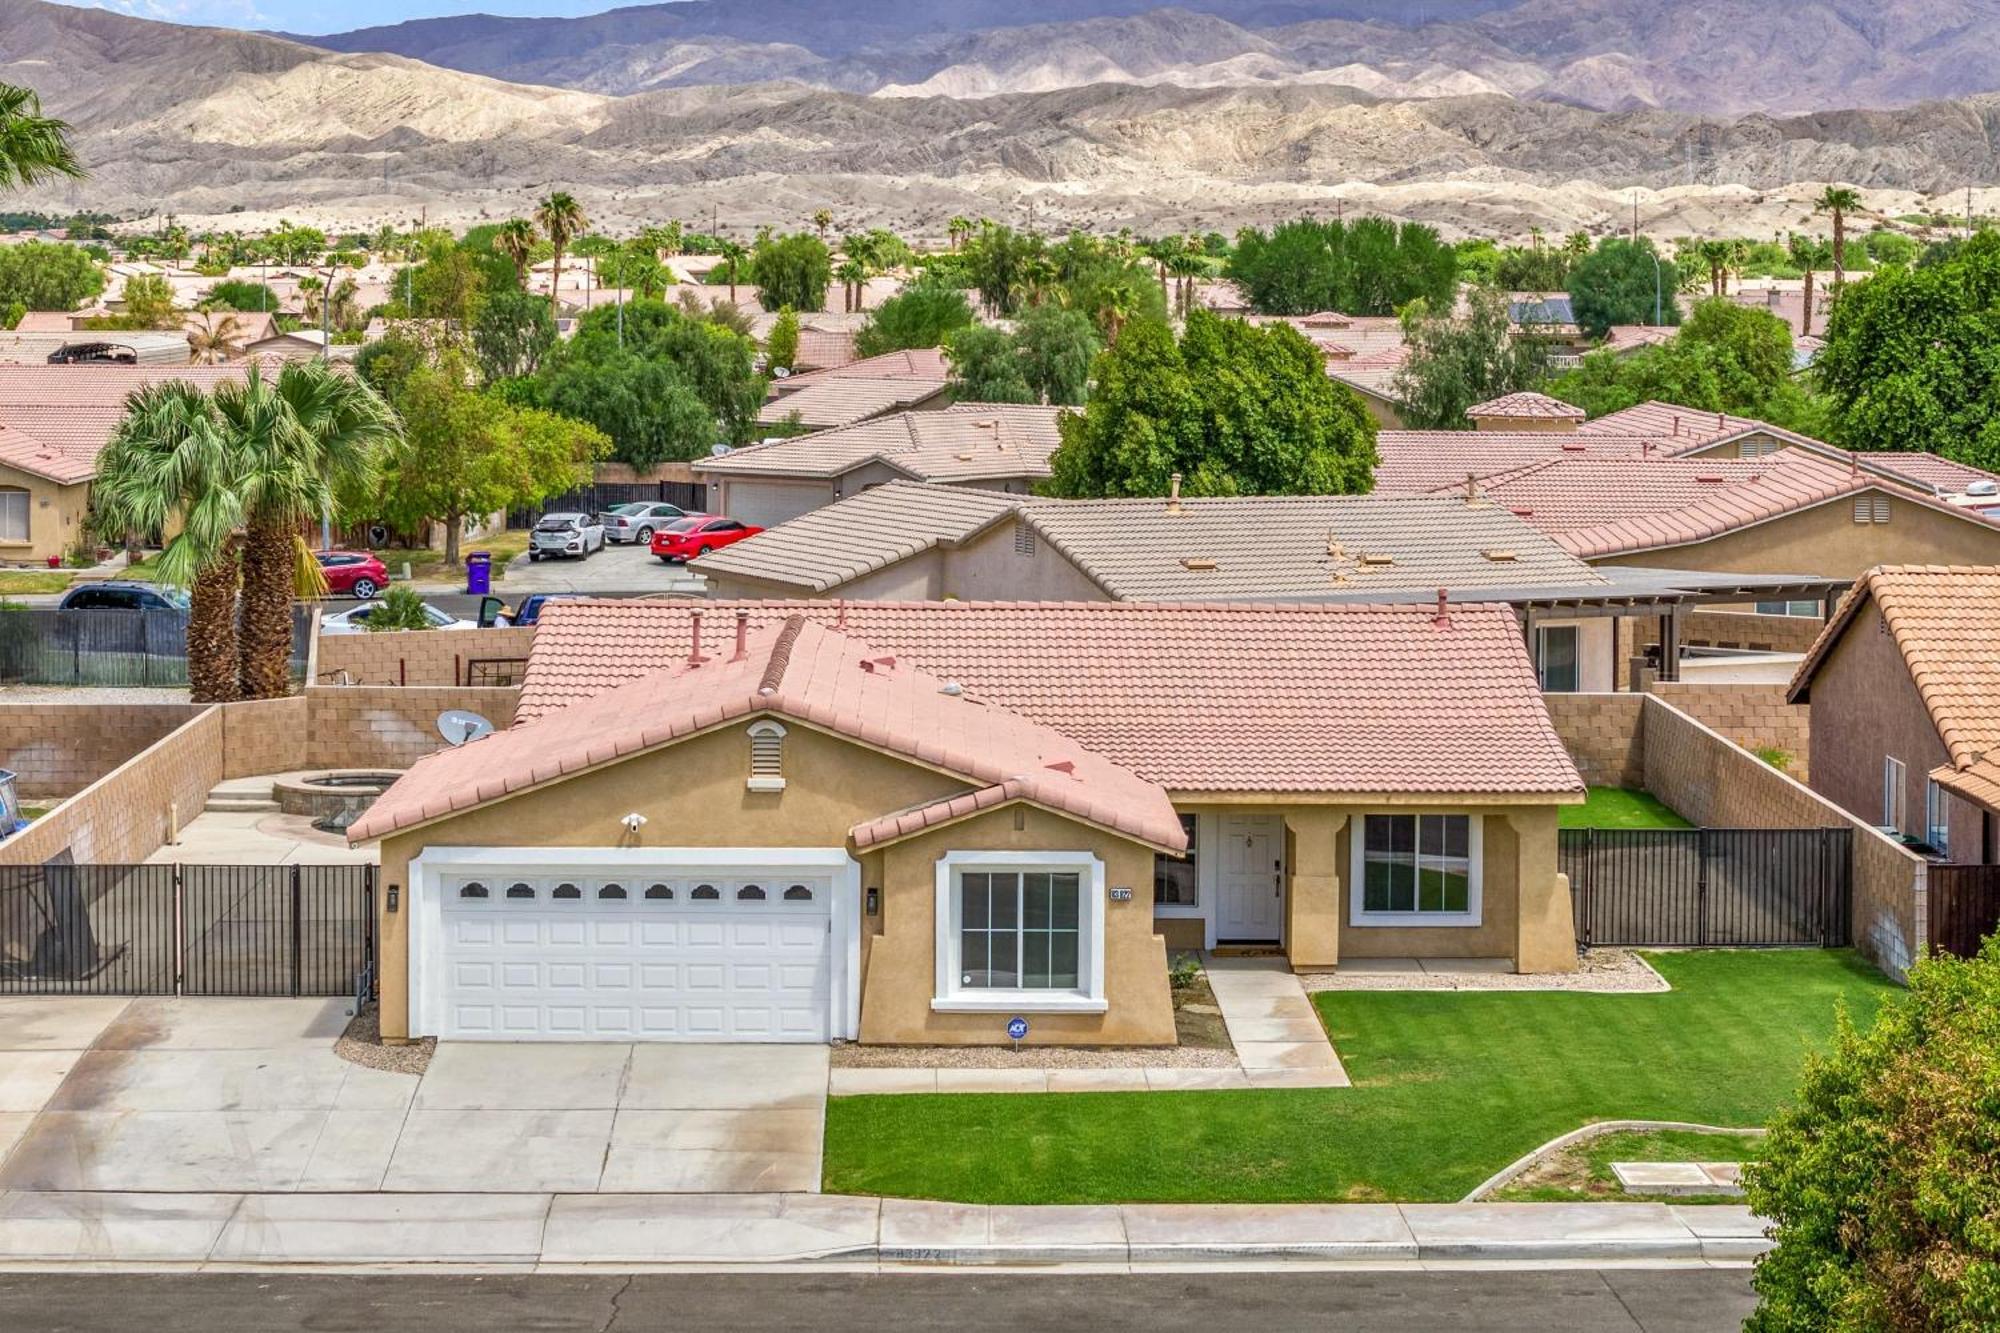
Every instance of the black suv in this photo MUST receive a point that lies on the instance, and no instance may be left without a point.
(123, 597)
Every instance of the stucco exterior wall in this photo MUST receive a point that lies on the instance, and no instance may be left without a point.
(988, 568)
(1825, 540)
(56, 516)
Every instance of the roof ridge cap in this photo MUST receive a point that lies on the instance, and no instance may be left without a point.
(781, 655)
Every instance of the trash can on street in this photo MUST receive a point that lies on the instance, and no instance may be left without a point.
(479, 572)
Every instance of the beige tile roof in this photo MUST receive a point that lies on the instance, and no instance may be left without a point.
(826, 404)
(1531, 406)
(806, 672)
(923, 363)
(966, 442)
(67, 413)
(1224, 697)
(826, 547)
(1942, 475)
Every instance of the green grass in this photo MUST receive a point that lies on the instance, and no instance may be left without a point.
(33, 580)
(428, 566)
(1583, 1172)
(1616, 807)
(1450, 1086)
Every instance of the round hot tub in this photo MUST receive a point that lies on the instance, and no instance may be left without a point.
(333, 799)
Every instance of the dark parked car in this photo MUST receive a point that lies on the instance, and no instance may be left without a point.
(123, 596)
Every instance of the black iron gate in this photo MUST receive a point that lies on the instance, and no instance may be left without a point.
(1744, 887)
(186, 929)
(599, 496)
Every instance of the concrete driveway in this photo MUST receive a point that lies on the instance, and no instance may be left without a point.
(630, 568)
(203, 1095)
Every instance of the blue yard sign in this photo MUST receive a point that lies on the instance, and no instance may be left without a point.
(1017, 1028)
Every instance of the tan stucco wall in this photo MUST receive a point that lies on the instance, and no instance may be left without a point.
(1825, 540)
(900, 949)
(693, 795)
(987, 568)
(1526, 425)
(56, 517)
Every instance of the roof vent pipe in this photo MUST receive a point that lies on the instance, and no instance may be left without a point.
(1174, 493)
(694, 652)
(1443, 618)
(1677, 423)
(1471, 488)
(742, 637)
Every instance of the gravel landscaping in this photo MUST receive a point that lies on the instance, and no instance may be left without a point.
(362, 1045)
(1601, 971)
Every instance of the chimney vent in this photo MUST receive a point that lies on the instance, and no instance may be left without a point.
(1174, 494)
(1471, 488)
(1443, 618)
(742, 637)
(694, 650)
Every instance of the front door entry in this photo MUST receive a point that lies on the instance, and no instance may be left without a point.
(1250, 879)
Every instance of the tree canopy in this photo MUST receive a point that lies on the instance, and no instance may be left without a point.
(1370, 266)
(1622, 282)
(923, 314)
(1726, 358)
(42, 275)
(791, 271)
(1458, 359)
(1234, 408)
(514, 332)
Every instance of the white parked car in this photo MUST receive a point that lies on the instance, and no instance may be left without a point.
(356, 621)
(560, 535)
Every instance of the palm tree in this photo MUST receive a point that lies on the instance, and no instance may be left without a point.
(302, 440)
(1577, 244)
(1117, 301)
(1839, 201)
(1810, 254)
(959, 228)
(516, 240)
(822, 220)
(215, 338)
(733, 255)
(170, 459)
(561, 218)
(1715, 255)
(852, 274)
(33, 147)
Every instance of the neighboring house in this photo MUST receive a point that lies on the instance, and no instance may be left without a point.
(860, 390)
(907, 540)
(909, 823)
(1361, 351)
(826, 339)
(300, 345)
(995, 446)
(139, 347)
(54, 420)
(250, 326)
(1904, 689)
(1525, 412)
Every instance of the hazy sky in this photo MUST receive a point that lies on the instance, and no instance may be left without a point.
(324, 16)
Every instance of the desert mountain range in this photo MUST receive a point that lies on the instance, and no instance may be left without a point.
(1487, 121)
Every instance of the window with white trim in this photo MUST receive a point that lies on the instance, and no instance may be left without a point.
(13, 515)
(1893, 775)
(1418, 869)
(1937, 817)
(1020, 930)
(767, 757)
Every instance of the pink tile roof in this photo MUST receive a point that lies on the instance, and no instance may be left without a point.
(1678, 428)
(1419, 462)
(968, 442)
(923, 363)
(1533, 406)
(812, 674)
(64, 415)
(1221, 697)
(1943, 475)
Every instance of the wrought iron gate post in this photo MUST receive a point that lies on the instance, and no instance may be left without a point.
(297, 934)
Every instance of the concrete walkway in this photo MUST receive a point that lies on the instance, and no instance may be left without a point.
(1271, 1022)
(559, 1231)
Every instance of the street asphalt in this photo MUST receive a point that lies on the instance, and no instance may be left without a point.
(1624, 1300)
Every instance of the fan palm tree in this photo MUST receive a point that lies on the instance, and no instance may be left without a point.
(561, 219)
(216, 338)
(1838, 201)
(1810, 255)
(302, 440)
(516, 240)
(171, 458)
(1117, 301)
(822, 220)
(852, 274)
(959, 228)
(733, 255)
(33, 147)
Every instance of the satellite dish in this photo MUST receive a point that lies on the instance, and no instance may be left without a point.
(717, 450)
(781, 373)
(459, 725)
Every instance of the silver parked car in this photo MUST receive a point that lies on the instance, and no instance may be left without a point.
(560, 535)
(638, 521)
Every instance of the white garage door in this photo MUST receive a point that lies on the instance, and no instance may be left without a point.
(736, 956)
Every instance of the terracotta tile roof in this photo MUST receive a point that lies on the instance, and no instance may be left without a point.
(1221, 697)
(827, 404)
(1631, 337)
(69, 412)
(923, 363)
(1569, 491)
(1937, 473)
(1531, 406)
(823, 548)
(1945, 620)
(1679, 429)
(968, 442)
(806, 672)
(1420, 462)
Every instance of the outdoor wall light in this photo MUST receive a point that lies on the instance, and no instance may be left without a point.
(395, 896)
(874, 900)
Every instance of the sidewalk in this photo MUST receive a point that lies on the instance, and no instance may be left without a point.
(544, 1231)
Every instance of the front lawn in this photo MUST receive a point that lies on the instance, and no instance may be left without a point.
(1582, 1172)
(1450, 1086)
(16, 581)
(1618, 807)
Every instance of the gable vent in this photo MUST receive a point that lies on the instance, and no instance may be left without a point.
(767, 757)
(1871, 509)
(1024, 537)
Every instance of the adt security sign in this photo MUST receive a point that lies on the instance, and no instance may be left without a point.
(1017, 1028)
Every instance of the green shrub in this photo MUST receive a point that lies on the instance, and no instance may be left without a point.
(400, 608)
(1776, 756)
(1185, 972)
(1883, 1182)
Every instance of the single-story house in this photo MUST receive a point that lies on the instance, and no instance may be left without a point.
(1525, 412)
(995, 446)
(1904, 691)
(907, 539)
(871, 387)
(130, 347)
(54, 421)
(912, 822)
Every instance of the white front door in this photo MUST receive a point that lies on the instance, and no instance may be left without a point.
(655, 953)
(1250, 878)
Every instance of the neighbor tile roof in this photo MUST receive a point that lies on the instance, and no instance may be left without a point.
(1570, 491)
(65, 414)
(826, 404)
(828, 546)
(972, 441)
(1679, 428)
(1419, 462)
(808, 672)
(1945, 620)
(921, 363)
(1536, 406)
(1940, 474)
(1223, 697)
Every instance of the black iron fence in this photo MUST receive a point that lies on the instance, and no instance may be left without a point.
(43, 645)
(600, 496)
(1744, 887)
(1964, 907)
(186, 929)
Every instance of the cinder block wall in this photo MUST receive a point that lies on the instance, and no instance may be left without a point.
(1754, 716)
(265, 736)
(58, 749)
(1605, 735)
(387, 727)
(1744, 629)
(125, 815)
(416, 657)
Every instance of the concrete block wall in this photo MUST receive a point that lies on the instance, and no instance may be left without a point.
(265, 736)
(126, 815)
(389, 727)
(1604, 734)
(1744, 629)
(1754, 716)
(415, 657)
(58, 749)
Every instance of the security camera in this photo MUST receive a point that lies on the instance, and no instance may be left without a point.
(633, 821)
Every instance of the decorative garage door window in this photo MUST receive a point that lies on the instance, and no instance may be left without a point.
(1019, 930)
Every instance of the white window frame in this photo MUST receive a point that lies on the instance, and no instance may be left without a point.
(1895, 793)
(1087, 998)
(1937, 817)
(27, 504)
(765, 731)
(1475, 848)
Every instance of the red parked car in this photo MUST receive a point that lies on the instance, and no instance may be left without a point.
(352, 573)
(698, 534)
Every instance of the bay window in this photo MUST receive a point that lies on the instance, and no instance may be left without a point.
(1020, 930)
(1415, 870)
